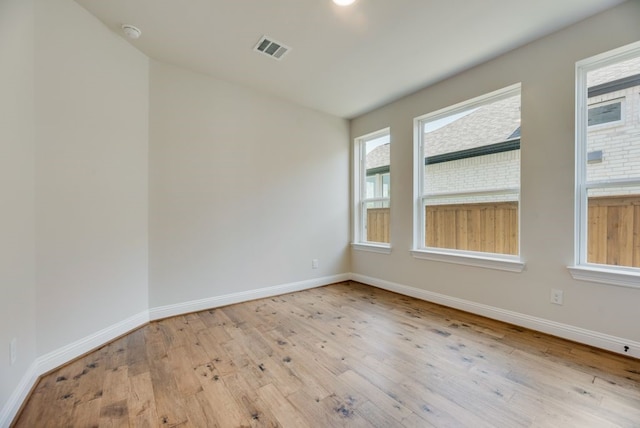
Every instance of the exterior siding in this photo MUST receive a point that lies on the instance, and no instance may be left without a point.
(492, 172)
(619, 142)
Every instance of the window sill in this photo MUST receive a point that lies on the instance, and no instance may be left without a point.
(483, 260)
(372, 248)
(604, 275)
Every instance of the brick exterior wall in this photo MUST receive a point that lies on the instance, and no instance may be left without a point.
(481, 173)
(619, 142)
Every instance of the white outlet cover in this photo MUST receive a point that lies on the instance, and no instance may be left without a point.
(557, 296)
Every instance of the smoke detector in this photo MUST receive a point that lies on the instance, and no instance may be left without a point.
(130, 31)
(270, 47)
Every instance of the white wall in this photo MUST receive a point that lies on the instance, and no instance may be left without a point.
(91, 175)
(17, 282)
(546, 69)
(245, 189)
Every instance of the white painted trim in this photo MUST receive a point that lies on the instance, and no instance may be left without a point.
(581, 264)
(483, 260)
(565, 331)
(243, 296)
(63, 355)
(12, 406)
(359, 182)
(372, 248)
(67, 353)
(87, 344)
(611, 276)
(419, 194)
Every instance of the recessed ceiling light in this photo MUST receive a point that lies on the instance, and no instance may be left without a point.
(343, 2)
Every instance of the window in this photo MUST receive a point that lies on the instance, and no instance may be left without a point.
(467, 175)
(372, 187)
(602, 113)
(608, 167)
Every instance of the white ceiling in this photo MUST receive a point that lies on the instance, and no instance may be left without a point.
(344, 60)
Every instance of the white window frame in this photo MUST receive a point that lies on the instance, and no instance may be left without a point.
(359, 241)
(497, 261)
(581, 269)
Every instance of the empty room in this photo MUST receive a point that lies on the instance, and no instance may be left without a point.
(320, 213)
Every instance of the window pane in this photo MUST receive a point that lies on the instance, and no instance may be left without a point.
(613, 151)
(386, 185)
(371, 187)
(377, 221)
(608, 183)
(613, 226)
(605, 113)
(374, 187)
(377, 166)
(472, 178)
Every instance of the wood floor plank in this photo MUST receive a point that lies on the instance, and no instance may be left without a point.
(141, 401)
(342, 355)
(249, 401)
(281, 408)
(388, 409)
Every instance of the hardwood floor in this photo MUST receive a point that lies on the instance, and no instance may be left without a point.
(341, 355)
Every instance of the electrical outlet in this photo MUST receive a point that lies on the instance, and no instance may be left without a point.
(557, 297)
(314, 264)
(14, 350)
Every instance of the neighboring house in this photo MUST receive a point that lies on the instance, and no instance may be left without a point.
(472, 166)
(487, 152)
(614, 124)
(378, 178)
(480, 151)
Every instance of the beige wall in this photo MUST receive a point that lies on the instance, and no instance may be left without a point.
(91, 175)
(239, 190)
(546, 69)
(17, 282)
(245, 189)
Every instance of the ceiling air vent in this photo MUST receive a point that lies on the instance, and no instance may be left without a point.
(271, 48)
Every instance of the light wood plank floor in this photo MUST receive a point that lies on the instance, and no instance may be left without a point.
(341, 355)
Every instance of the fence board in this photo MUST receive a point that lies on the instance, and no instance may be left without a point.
(378, 223)
(482, 227)
(613, 228)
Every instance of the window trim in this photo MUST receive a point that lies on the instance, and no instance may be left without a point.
(359, 241)
(497, 261)
(581, 269)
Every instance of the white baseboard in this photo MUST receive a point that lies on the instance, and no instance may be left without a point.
(12, 406)
(63, 355)
(565, 331)
(80, 347)
(243, 296)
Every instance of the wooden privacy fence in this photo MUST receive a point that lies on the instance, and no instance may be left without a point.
(378, 225)
(613, 228)
(487, 227)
